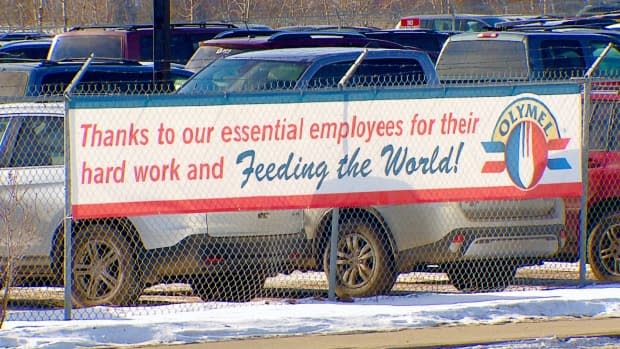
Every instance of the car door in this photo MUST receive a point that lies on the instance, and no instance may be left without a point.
(31, 184)
(255, 223)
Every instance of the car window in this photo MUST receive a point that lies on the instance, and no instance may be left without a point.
(562, 58)
(483, 59)
(39, 142)
(4, 123)
(388, 72)
(371, 72)
(13, 83)
(244, 75)
(79, 46)
(610, 65)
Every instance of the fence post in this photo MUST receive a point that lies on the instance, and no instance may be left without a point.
(583, 212)
(333, 255)
(68, 219)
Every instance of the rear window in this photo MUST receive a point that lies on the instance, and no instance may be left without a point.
(483, 59)
(207, 54)
(80, 46)
(13, 83)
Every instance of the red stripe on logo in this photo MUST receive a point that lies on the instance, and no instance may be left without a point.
(493, 167)
(557, 144)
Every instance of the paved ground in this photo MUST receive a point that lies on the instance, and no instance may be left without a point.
(425, 337)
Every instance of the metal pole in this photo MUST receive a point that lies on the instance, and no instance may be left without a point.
(68, 228)
(583, 213)
(585, 146)
(333, 255)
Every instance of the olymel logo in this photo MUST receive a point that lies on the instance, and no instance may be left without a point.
(525, 132)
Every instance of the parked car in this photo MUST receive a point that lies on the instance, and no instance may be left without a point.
(448, 22)
(51, 78)
(21, 35)
(25, 50)
(210, 50)
(131, 42)
(479, 244)
(428, 40)
(603, 224)
(311, 67)
(522, 56)
(114, 259)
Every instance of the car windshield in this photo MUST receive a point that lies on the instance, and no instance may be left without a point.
(245, 75)
(207, 54)
(80, 46)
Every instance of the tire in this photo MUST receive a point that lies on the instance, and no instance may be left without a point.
(228, 287)
(481, 276)
(604, 249)
(105, 268)
(365, 266)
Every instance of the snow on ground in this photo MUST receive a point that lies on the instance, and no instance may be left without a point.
(176, 323)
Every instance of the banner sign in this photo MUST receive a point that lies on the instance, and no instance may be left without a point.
(181, 159)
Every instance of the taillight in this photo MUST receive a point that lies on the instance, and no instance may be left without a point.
(488, 35)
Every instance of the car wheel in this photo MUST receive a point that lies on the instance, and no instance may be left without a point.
(105, 268)
(604, 249)
(364, 262)
(228, 287)
(481, 276)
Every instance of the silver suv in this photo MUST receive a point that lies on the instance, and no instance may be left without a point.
(114, 259)
(479, 244)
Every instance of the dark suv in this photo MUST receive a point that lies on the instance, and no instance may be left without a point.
(131, 42)
(51, 78)
(24, 50)
(227, 45)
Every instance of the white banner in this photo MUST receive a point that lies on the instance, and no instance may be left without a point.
(127, 161)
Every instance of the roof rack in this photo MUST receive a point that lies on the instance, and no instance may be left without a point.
(314, 34)
(145, 26)
(238, 33)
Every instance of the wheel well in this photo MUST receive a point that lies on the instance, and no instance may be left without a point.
(600, 210)
(123, 225)
(323, 232)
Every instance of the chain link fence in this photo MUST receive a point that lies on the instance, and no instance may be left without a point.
(227, 196)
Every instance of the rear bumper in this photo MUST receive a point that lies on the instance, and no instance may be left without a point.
(528, 244)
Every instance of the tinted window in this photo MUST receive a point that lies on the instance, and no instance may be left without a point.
(483, 59)
(610, 65)
(372, 72)
(80, 46)
(562, 58)
(39, 142)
